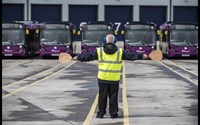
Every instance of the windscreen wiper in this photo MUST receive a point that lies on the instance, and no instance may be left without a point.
(146, 43)
(100, 43)
(191, 44)
(12, 42)
(60, 42)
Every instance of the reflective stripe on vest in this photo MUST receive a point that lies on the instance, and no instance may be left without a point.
(109, 66)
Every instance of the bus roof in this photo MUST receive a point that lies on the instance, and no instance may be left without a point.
(22, 22)
(58, 24)
(179, 25)
(96, 25)
(140, 25)
(27, 22)
(100, 22)
(21, 25)
(140, 22)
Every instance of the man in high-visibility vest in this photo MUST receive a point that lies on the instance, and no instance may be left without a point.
(109, 67)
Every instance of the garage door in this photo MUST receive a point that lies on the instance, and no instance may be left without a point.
(9, 9)
(154, 14)
(118, 15)
(43, 13)
(79, 14)
(185, 14)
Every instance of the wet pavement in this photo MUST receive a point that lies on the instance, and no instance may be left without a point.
(155, 95)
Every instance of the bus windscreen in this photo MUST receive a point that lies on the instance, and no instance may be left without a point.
(184, 37)
(55, 37)
(13, 37)
(94, 37)
(140, 37)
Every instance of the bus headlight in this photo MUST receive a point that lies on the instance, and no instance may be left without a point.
(67, 27)
(74, 31)
(37, 31)
(21, 49)
(27, 31)
(67, 47)
(109, 27)
(152, 47)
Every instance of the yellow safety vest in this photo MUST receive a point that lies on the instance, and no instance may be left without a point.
(110, 65)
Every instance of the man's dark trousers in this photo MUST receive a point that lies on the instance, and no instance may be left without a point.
(108, 90)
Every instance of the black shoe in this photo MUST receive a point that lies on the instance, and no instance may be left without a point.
(115, 116)
(99, 116)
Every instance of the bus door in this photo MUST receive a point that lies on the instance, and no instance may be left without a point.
(164, 41)
(139, 37)
(32, 39)
(56, 38)
(93, 35)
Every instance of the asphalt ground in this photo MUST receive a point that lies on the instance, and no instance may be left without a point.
(46, 92)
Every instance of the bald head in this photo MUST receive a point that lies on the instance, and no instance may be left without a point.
(110, 38)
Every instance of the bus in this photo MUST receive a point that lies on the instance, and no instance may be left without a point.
(20, 38)
(56, 37)
(93, 34)
(139, 36)
(179, 39)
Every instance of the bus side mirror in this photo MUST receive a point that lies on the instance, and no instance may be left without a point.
(122, 32)
(115, 32)
(37, 31)
(78, 33)
(158, 32)
(74, 31)
(166, 32)
(27, 32)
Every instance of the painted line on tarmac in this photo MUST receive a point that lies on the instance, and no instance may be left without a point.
(91, 112)
(182, 68)
(9, 84)
(18, 90)
(178, 73)
(17, 64)
(124, 98)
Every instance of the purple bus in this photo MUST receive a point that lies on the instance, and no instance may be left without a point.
(139, 36)
(20, 38)
(93, 33)
(56, 37)
(179, 39)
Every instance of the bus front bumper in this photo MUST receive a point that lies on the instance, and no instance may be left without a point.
(21, 54)
(183, 55)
